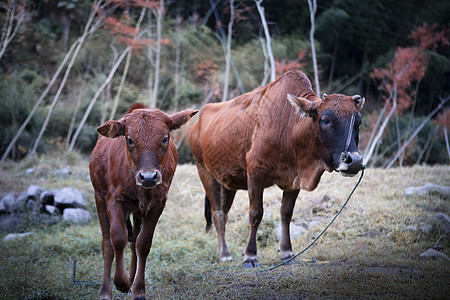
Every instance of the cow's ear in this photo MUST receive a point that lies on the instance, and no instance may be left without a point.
(359, 101)
(180, 118)
(303, 106)
(112, 129)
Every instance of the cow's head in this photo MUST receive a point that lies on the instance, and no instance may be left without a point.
(146, 139)
(337, 120)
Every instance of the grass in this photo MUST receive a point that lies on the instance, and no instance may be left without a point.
(368, 252)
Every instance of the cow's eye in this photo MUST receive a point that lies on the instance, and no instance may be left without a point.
(130, 141)
(165, 140)
(325, 121)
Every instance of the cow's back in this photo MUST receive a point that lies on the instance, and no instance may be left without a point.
(222, 136)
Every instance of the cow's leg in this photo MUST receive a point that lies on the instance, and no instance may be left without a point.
(256, 211)
(287, 207)
(107, 249)
(213, 191)
(119, 240)
(143, 244)
(221, 218)
(136, 230)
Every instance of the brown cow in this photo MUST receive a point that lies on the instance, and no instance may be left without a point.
(131, 169)
(261, 138)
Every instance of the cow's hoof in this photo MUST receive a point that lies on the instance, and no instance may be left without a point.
(226, 258)
(250, 264)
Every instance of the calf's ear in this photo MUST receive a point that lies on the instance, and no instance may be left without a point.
(180, 118)
(303, 106)
(112, 129)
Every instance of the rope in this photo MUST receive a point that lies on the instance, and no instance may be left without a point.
(323, 231)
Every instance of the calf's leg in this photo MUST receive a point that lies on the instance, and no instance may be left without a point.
(119, 240)
(143, 245)
(107, 250)
(287, 207)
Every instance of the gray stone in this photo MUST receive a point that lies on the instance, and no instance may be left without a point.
(76, 215)
(7, 202)
(13, 236)
(444, 221)
(426, 188)
(51, 209)
(433, 254)
(69, 197)
(426, 229)
(34, 192)
(29, 171)
(412, 228)
(63, 172)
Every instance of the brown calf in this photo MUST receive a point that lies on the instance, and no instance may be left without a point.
(131, 169)
(282, 134)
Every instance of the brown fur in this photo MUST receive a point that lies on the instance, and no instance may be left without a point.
(114, 168)
(257, 140)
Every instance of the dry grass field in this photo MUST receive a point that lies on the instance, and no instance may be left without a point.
(371, 251)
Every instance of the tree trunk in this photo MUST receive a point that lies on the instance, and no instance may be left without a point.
(416, 132)
(125, 70)
(268, 40)
(38, 102)
(312, 12)
(228, 52)
(266, 62)
(446, 141)
(177, 61)
(9, 31)
(158, 53)
(97, 94)
(383, 126)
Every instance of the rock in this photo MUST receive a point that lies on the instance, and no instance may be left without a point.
(34, 192)
(13, 236)
(51, 209)
(426, 229)
(318, 208)
(7, 203)
(433, 254)
(444, 221)
(69, 197)
(10, 222)
(313, 223)
(48, 198)
(411, 228)
(63, 172)
(295, 230)
(76, 215)
(428, 187)
(29, 171)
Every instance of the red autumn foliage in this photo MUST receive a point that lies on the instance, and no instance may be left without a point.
(207, 75)
(286, 65)
(136, 3)
(126, 33)
(409, 65)
(444, 119)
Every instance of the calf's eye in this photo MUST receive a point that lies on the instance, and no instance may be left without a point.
(130, 141)
(165, 140)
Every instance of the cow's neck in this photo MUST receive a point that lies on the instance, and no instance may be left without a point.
(309, 165)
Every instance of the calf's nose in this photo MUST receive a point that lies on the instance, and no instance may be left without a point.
(149, 179)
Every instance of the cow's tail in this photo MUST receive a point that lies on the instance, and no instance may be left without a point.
(208, 215)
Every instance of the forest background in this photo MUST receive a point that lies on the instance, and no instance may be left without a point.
(68, 66)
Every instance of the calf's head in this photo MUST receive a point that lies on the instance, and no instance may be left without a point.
(145, 137)
(336, 119)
